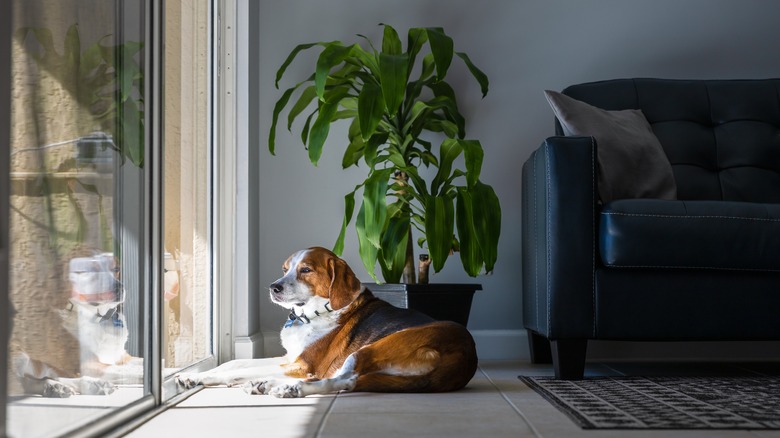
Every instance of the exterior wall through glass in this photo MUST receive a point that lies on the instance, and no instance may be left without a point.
(106, 210)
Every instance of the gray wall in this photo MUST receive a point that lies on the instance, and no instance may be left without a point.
(524, 47)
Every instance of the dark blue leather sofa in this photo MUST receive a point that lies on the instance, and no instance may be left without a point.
(703, 267)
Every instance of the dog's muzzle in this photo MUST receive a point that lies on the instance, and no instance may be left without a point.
(277, 290)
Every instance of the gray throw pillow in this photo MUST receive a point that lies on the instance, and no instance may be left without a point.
(632, 162)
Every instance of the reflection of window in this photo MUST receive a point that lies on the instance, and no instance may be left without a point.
(82, 224)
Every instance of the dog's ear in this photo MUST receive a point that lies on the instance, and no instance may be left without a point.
(344, 284)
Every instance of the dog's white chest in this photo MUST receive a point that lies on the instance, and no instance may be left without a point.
(297, 337)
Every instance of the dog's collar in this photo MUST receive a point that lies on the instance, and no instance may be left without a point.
(111, 314)
(303, 318)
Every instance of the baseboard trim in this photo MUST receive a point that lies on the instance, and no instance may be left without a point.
(501, 344)
(249, 347)
(272, 343)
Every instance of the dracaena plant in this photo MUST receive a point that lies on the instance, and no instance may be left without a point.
(396, 101)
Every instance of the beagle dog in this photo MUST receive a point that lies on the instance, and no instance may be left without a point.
(339, 336)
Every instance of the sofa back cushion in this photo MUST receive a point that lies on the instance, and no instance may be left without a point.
(722, 137)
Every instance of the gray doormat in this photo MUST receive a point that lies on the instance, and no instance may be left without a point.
(665, 402)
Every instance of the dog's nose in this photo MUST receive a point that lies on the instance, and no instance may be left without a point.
(276, 287)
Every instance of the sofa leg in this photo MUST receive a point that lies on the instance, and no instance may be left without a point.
(540, 348)
(568, 357)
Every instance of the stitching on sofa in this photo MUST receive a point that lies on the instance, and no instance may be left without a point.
(714, 140)
(670, 216)
(593, 230)
(547, 224)
(691, 267)
(536, 244)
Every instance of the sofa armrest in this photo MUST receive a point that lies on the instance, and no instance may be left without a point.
(559, 235)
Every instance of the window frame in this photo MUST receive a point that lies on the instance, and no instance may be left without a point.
(161, 392)
(6, 20)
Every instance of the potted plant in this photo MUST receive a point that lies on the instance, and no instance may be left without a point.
(396, 100)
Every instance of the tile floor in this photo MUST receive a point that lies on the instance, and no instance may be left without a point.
(495, 404)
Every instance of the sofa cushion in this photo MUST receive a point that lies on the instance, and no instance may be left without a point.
(721, 136)
(632, 163)
(648, 233)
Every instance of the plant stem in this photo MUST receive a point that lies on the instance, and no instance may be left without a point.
(409, 268)
(409, 272)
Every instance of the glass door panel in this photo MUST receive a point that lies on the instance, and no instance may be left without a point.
(187, 310)
(76, 285)
(110, 289)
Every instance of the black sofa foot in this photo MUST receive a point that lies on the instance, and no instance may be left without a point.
(568, 357)
(540, 348)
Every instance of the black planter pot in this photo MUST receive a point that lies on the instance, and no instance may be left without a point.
(442, 301)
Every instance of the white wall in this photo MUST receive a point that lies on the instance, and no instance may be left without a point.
(524, 46)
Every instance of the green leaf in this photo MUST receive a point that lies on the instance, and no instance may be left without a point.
(449, 151)
(372, 148)
(278, 107)
(306, 125)
(396, 158)
(333, 55)
(473, 154)
(391, 44)
(439, 227)
(477, 73)
(292, 56)
(416, 38)
(393, 73)
(370, 153)
(321, 127)
(344, 114)
(487, 222)
(445, 97)
(349, 208)
(375, 205)
(356, 145)
(305, 99)
(428, 67)
(368, 252)
(394, 242)
(366, 59)
(470, 253)
(371, 108)
(353, 153)
(445, 126)
(441, 48)
(417, 181)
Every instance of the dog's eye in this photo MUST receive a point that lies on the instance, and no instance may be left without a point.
(305, 270)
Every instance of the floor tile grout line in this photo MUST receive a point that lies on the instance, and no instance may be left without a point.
(325, 416)
(512, 405)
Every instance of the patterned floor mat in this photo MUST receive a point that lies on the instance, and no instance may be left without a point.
(665, 402)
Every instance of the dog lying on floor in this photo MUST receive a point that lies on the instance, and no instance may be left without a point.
(340, 337)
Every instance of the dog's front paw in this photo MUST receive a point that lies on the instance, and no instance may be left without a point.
(55, 389)
(93, 386)
(187, 380)
(237, 381)
(262, 386)
(287, 391)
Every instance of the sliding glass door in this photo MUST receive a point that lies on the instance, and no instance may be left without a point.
(109, 209)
